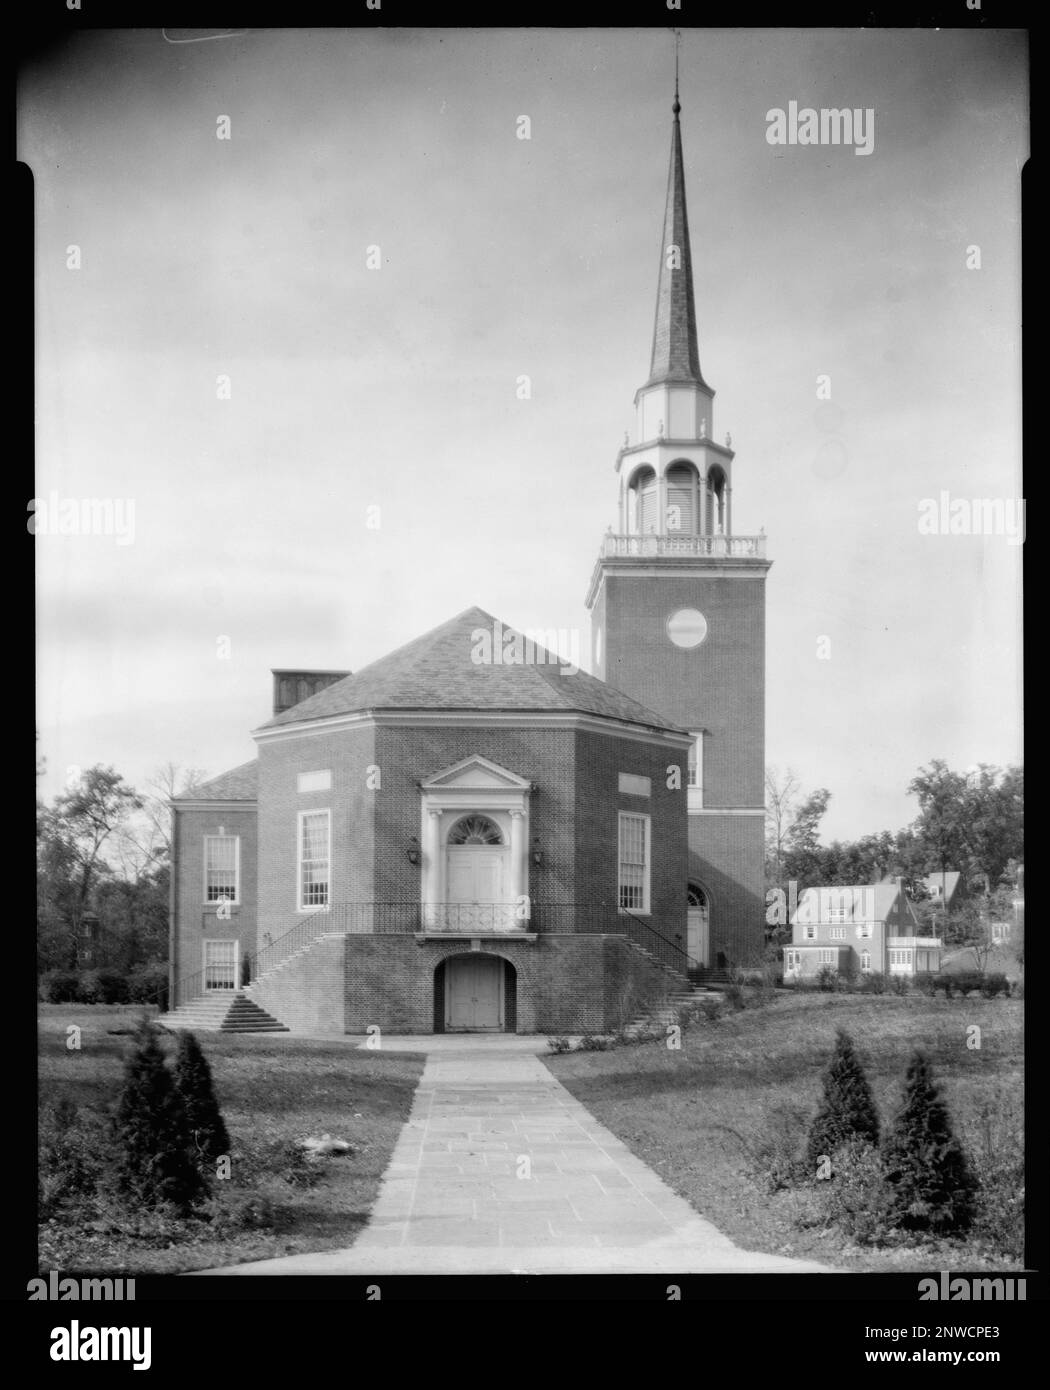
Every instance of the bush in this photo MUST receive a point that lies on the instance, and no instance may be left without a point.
(930, 1186)
(775, 1154)
(194, 1081)
(827, 979)
(847, 1111)
(59, 986)
(926, 983)
(964, 982)
(73, 1149)
(148, 984)
(995, 984)
(874, 982)
(733, 994)
(596, 1042)
(152, 1130)
(899, 984)
(996, 1144)
(711, 1009)
(854, 1198)
(231, 1212)
(104, 986)
(559, 1044)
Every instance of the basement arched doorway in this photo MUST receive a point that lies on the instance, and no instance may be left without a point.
(475, 992)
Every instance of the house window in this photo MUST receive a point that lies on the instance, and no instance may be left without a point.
(314, 859)
(634, 862)
(222, 855)
(864, 929)
(902, 959)
(811, 933)
(696, 762)
(838, 914)
(865, 960)
(828, 957)
(793, 959)
(838, 933)
(220, 965)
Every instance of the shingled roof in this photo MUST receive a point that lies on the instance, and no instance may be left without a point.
(239, 784)
(437, 672)
(676, 356)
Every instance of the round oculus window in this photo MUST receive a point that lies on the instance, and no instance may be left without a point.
(687, 627)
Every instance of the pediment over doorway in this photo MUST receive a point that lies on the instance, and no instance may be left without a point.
(477, 773)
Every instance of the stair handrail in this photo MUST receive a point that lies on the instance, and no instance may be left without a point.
(679, 956)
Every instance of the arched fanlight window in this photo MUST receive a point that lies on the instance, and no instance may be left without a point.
(643, 502)
(681, 499)
(695, 896)
(475, 830)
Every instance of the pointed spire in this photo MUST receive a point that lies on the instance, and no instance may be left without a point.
(676, 356)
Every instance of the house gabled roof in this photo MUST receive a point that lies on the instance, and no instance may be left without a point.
(442, 671)
(866, 902)
(950, 880)
(239, 784)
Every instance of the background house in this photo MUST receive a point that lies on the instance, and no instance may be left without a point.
(858, 929)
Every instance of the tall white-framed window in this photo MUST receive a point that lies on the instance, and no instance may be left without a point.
(695, 772)
(634, 859)
(315, 860)
(220, 965)
(222, 868)
(865, 960)
(828, 957)
(792, 959)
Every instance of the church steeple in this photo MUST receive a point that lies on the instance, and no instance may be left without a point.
(675, 357)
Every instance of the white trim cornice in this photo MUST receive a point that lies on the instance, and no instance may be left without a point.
(477, 719)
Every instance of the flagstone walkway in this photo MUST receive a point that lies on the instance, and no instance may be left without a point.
(500, 1170)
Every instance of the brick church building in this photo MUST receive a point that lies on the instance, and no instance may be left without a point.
(472, 835)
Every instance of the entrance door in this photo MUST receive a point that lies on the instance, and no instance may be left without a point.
(220, 965)
(476, 874)
(696, 926)
(474, 994)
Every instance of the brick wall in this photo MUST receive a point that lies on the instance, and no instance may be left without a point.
(719, 685)
(348, 754)
(726, 857)
(194, 919)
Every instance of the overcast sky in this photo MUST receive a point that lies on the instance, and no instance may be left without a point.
(354, 388)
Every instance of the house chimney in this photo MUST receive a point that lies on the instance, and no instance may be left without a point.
(291, 688)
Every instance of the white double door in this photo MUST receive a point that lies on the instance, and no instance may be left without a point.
(478, 879)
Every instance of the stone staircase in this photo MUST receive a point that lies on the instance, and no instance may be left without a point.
(222, 1013)
(656, 1019)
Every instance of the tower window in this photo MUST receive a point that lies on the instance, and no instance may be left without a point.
(696, 762)
(681, 500)
(633, 886)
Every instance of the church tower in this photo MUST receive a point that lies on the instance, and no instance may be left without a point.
(677, 604)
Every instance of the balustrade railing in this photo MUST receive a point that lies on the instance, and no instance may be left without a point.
(677, 543)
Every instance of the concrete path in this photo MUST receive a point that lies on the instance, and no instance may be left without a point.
(500, 1170)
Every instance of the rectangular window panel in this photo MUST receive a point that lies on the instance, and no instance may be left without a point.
(696, 761)
(635, 786)
(220, 965)
(315, 781)
(634, 862)
(828, 957)
(838, 933)
(314, 857)
(220, 868)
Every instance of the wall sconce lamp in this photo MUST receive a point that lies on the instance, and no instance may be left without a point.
(413, 851)
(537, 853)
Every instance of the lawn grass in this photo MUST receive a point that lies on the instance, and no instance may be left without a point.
(698, 1115)
(273, 1090)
